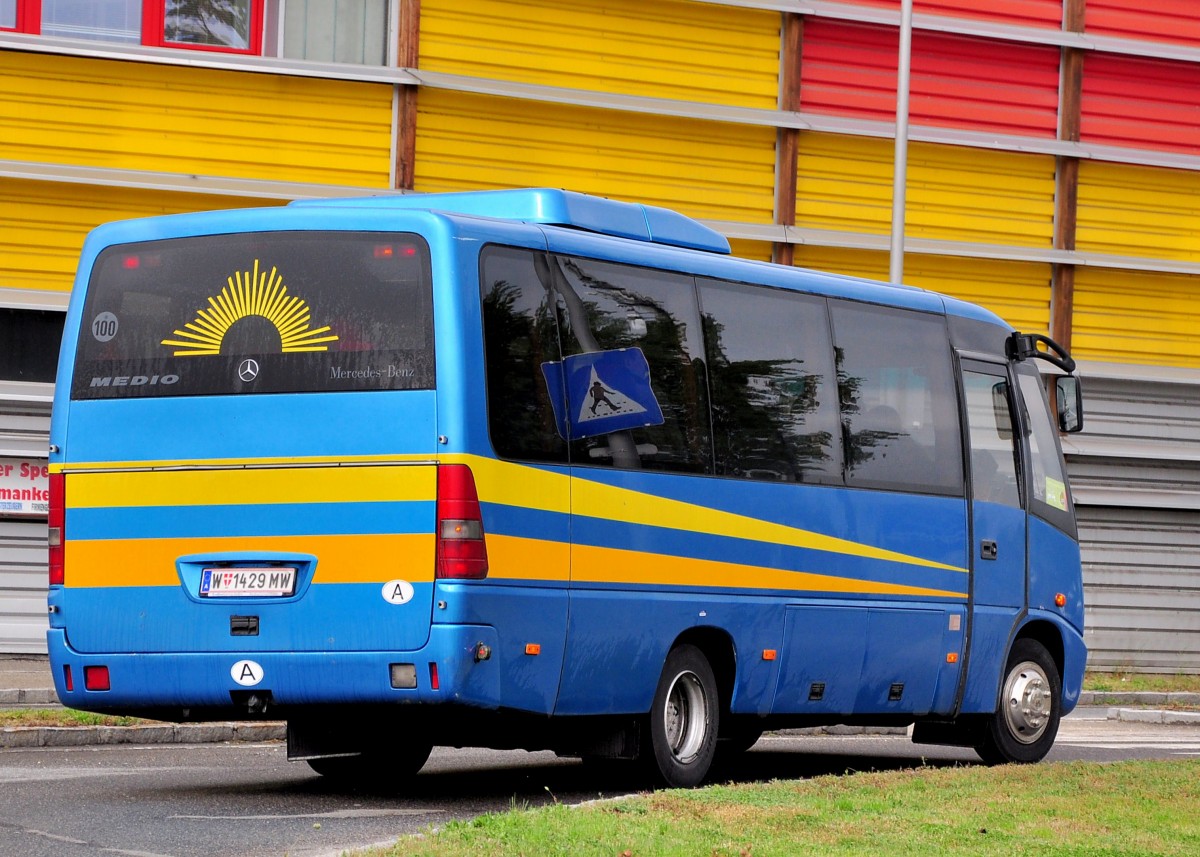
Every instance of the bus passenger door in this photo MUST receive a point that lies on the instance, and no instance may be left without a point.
(998, 546)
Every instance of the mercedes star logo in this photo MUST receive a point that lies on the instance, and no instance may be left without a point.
(248, 371)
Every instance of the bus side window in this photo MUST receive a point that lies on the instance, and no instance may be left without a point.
(769, 360)
(989, 421)
(898, 401)
(1048, 483)
(520, 329)
(655, 311)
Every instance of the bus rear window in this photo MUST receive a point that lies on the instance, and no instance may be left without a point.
(274, 312)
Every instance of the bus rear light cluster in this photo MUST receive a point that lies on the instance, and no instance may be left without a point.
(96, 678)
(57, 536)
(461, 549)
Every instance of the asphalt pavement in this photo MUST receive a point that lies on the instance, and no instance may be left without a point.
(26, 682)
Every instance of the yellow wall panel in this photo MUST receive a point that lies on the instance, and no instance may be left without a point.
(954, 193)
(760, 251)
(703, 169)
(43, 224)
(1136, 317)
(143, 116)
(1018, 292)
(1139, 211)
(690, 51)
(869, 264)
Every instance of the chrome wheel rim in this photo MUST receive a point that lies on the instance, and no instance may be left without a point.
(1027, 702)
(685, 718)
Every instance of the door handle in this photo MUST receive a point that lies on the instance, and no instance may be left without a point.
(988, 549)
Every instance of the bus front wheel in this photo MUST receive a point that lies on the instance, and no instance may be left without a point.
(377, 768)
(1026, 720)
(684, 719)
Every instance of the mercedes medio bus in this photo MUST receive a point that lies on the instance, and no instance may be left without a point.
(533, 469)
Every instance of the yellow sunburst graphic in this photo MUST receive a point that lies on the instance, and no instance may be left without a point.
(248, 294)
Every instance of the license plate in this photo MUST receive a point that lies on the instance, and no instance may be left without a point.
(235, 582)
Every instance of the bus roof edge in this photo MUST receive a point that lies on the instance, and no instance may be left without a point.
(554, 207)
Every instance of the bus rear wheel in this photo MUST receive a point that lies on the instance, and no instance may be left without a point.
(684, 719)
(1026, 720)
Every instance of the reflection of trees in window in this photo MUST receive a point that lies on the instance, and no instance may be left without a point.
(209, 22)
(517, 342)
(761, 411)
(624, 316)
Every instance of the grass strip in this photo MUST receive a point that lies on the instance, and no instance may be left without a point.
(1070, 809)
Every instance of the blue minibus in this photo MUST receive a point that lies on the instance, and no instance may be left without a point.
(535, 469)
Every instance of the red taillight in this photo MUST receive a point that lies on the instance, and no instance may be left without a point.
(57, 535)
(461, 551)
(96, 678)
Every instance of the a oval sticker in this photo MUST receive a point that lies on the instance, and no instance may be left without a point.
(397, 592)
(246, 673)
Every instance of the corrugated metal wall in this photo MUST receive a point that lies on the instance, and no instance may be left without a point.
(1046, 13)
(1166, 20)
(704, 169)
(119, 115)
(43, 224)
(957, 81)
(970, 198)
(669, 49)
(1141, 103)
(1136, 478)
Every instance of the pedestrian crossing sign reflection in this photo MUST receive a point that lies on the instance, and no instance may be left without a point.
(604, 392)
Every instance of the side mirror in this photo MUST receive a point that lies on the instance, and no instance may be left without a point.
(1069, 398)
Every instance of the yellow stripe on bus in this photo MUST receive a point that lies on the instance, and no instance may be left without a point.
(607, 502)
(612, 566)
(250, 486)
(340, 559)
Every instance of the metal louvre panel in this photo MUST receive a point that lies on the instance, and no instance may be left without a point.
(1166, 20)
(954, 192)
(957, 81)
(74, 110)
(690, 51)
(1142, 589)
(24, 430)
(702, 169)
(1136, 317)
(23, 586)
(1135, 476)
(1140, 103)
(42, 224)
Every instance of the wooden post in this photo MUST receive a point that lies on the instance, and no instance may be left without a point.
(408, 57)
(1066, 191)
(787, 149)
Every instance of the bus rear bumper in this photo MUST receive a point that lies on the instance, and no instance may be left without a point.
(456, 665)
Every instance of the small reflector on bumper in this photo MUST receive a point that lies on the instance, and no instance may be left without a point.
(403, 675)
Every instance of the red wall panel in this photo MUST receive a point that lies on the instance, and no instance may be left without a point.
(1165, 20)
(957, 82)
(1141, 103)
(1030, 13)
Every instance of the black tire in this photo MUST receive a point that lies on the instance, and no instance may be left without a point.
(382, 768)
(1027, 715)
(684, 720)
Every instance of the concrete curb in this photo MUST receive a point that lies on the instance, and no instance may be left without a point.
(157, 733)
(1144, 715)
(1103, 697)
(22, 697)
